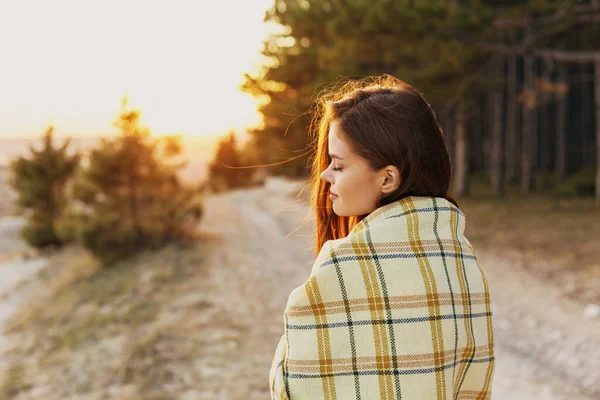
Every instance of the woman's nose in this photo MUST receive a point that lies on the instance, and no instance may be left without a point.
(324, 175)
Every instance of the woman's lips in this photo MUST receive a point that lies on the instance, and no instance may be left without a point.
(332, 195)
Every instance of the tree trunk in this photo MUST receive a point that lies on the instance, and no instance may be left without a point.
(497, 164)
(487, 132)
(511, 120)
(586, 100)
(446, 124)
(477, 124)
(529, 147)
(561, 123)
(597, 111)
(545, 149)
(461, 171)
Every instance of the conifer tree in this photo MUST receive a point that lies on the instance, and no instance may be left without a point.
(224, 171)
(450, 51)
(420, 42)
(40, 180)
(129, 195)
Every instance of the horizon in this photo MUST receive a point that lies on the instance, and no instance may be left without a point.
(202, 148)
(177, 64)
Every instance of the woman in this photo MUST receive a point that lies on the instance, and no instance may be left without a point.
(396, 305)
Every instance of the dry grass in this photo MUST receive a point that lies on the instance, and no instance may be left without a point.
(65, 268)
(558, 239)
(12, 382)
(81, 306)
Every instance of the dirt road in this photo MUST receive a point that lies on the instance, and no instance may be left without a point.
(13, 271)
(545, 348)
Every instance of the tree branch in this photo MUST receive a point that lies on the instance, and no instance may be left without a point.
(580, 57)
(577, 11)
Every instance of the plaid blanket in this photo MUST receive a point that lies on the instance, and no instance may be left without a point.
(398, 309)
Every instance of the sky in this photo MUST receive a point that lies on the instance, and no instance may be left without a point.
(69, 64)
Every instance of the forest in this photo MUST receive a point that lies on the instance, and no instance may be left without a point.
(515, 84)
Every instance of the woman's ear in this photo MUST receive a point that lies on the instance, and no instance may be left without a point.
(391, 179)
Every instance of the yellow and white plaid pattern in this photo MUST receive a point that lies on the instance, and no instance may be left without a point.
(398, 309)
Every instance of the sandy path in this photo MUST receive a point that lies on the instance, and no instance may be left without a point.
(13, 271)
(251, 275)
(545, 344)
(545, 348)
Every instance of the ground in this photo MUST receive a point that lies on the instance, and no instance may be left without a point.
(202, 321)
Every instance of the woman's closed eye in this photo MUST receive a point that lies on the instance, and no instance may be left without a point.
(334, 167)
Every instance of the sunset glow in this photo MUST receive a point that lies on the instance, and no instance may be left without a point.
(69, 63)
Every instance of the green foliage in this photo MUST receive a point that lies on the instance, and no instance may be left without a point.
(40, 182)
(420, 42)
(40, 231)
(129, 196)
(581, 184)
(432, 45)
(545, 181)
(223, 173)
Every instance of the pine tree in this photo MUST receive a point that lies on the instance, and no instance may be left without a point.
(129, 196)
(40, 180)
(420, 42)
(224, 171)
(449, 51)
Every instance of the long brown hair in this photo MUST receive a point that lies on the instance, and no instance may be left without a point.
(387, 122)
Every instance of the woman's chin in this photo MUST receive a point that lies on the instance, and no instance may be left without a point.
(336, 209)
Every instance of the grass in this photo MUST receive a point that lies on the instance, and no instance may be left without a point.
(553, 236)
(81, 304)
(12, 381)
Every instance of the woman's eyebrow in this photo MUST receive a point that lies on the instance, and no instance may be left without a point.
(335, 156)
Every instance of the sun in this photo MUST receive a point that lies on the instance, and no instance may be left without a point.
(178, 64)
(226, 110)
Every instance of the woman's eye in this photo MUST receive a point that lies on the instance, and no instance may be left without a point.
(334, 167)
